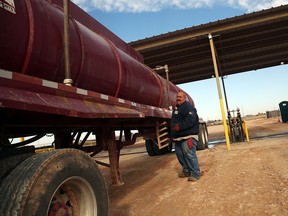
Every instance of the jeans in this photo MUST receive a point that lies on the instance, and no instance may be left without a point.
(187, 157)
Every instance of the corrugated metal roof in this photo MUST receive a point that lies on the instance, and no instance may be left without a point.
(243, 43)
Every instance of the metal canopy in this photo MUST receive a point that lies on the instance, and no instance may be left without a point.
(242, 43)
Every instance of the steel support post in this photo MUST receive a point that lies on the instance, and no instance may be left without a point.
(114, 155)
(219, 89)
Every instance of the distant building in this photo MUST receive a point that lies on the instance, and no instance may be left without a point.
(272, 114)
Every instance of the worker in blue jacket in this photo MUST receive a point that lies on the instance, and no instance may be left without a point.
(184, 127)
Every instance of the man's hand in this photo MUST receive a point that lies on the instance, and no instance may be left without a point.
(177, 127)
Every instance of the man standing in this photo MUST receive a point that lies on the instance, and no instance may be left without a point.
(184, 125)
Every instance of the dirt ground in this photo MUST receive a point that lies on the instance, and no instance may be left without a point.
(249, 179)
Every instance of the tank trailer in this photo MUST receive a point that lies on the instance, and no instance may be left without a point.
(108, 88)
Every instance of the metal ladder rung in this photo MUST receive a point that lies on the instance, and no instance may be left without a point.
(165, 140)
(163, 134)
(163, 129)
(163, 123)
(163, 146)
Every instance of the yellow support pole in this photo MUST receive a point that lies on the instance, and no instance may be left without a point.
(219, 90)
(246, 130)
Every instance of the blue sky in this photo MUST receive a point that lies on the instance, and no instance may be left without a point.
(253, 91)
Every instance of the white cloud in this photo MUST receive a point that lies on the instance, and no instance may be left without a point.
(254, 5)
(132, 6)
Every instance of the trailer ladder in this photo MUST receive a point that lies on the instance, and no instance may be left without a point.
(162, 132)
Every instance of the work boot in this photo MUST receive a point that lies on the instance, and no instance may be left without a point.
(183, 174)
(193, 179)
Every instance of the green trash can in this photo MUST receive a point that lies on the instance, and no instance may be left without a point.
(284, 110)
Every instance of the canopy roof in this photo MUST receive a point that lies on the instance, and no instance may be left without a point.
(243, 43)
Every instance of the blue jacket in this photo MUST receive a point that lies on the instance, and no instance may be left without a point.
(187, 119)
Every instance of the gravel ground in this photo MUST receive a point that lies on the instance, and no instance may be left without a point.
(249, 179)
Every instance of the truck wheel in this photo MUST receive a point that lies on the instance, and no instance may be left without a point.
(149, 147)
(206, 136)
(58, 182)
(153, 149)
(202, 137)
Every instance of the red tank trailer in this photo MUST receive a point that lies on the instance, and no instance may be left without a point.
(32, 44)
(112, 91)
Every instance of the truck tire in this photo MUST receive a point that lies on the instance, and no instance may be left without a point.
(8, 164)
(63, 181)
(202, 137)
(206, 136)
(149, 147)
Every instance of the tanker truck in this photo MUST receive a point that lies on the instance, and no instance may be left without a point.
(110, 89)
